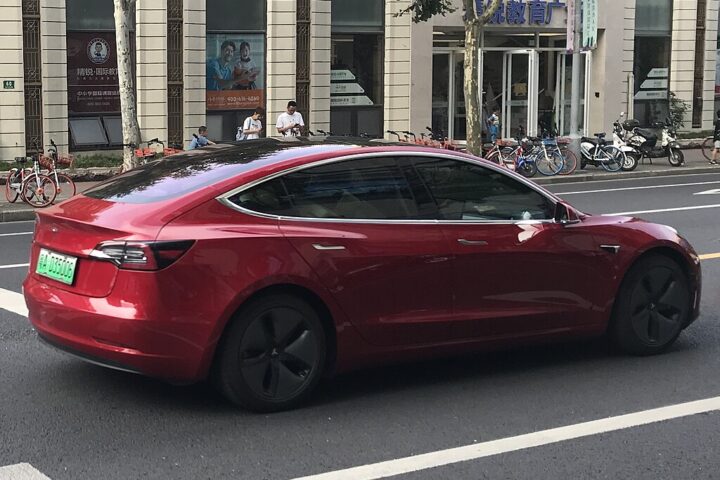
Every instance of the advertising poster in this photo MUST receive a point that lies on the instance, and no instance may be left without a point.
(235, 71)
(92, 73)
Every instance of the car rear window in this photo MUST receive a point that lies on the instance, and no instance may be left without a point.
(181, 174)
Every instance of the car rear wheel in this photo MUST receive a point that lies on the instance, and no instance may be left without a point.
(652, 307)
(272, 356)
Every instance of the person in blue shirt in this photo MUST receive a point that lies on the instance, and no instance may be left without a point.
(200, 140)
(220, 70)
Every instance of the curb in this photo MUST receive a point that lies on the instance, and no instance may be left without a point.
(590, 177)
(17, 215)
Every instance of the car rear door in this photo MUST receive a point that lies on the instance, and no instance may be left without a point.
(373, 243)
(515, 271)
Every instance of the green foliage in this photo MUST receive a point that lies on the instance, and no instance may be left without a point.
(678, 110)
(423, 10)
(97, 160)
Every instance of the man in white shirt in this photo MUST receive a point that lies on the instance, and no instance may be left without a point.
(290, 123)
(251, 126)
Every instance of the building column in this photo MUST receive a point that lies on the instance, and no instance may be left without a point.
(320, 61)
(682, 58)
(194, 46)
(53, 46)
(421, 76)
(397, 66)
(281, 43)
(711, 48)
(628, 53)
(151, 68)
(12, 100)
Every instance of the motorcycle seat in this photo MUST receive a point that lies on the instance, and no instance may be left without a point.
(594, 141)
(600, 135)
(648, 134)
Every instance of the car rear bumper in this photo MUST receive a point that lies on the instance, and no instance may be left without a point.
(112, 333)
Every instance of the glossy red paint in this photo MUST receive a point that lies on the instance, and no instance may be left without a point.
(393, 291)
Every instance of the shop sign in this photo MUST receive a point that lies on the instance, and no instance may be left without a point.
(92, 73)
(652, 83)
(9, 84)
(360, 100)
(341, 75)
(651, 95)
(521, 12)
(234, 71)
(658, 73)
(655, 86)
(590, 24)
(344, 88)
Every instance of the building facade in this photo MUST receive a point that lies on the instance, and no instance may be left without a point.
(354, 67)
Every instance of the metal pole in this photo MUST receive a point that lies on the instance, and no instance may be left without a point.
(576, 87)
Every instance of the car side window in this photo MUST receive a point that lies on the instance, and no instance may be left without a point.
(363, 189)
(369, 188)
(465, 191)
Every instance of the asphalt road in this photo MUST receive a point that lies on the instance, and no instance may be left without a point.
(71, 420)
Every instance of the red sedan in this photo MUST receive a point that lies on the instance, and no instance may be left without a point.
(268, 264)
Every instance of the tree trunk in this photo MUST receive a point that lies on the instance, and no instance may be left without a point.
(473, 22)
(128, 105)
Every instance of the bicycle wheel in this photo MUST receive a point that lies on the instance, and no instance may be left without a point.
(11, 193)
(611, 158)
(551, 164)
(570, 163)
(527, 169)
(38, 190)
(65, 187)
(707, 148)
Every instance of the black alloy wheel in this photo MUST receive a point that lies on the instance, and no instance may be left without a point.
(273, 354)
(652, 307)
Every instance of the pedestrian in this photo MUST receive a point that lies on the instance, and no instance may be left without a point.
(716, 139)
(200, 140)
(493, 124)
(252, 126)
(290, 123)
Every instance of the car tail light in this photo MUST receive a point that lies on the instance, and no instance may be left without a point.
(141, 255)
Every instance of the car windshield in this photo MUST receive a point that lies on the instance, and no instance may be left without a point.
(188, 172)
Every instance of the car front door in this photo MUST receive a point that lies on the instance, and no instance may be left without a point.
(516, 272)
(373, 243)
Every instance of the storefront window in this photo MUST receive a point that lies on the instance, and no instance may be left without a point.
(235, 64)
(653, 32)
(92, 75)
(440, 92)
(356, 90)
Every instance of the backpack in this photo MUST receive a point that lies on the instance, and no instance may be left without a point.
(246, 125)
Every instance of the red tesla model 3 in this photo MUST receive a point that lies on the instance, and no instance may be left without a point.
(268, 264)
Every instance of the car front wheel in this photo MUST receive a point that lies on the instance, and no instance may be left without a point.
(272, 355)
(652, 307)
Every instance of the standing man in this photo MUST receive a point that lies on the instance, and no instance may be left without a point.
(493, 124)
(290, 123)
(716, 139)
(251, 126)
(200, 140)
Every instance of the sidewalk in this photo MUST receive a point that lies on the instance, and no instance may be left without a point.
(695, 163)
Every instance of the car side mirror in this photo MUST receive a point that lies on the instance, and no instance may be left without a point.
(565, 214)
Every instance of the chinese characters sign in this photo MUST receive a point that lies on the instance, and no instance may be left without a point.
(521, 12)
(234, 71)
(92, 73)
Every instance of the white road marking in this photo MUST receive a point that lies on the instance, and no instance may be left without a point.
(651, 177)
(14, 234)
(13, 302)
(715, 191)
(440, 458)
(16, 265)
(647, 187)
(662, 210)
(21, 471)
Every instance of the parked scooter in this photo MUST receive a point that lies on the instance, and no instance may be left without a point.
(646, 141)
(632, 156)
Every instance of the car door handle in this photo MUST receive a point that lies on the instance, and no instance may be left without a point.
(318, 246)
(465, 242)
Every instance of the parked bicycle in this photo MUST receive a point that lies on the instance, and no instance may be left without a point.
(64, 184)
(29, 184)
(597, 152)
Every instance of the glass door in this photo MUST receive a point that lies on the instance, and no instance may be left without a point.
(520, 78)
(563, 89)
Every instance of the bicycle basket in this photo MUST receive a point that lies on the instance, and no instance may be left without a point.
(45, 162)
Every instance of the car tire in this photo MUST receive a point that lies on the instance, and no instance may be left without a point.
(272, 355)
(652, 307)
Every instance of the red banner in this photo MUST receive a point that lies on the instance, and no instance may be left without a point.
(92, 73)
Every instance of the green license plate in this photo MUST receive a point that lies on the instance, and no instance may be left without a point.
(56, 266)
